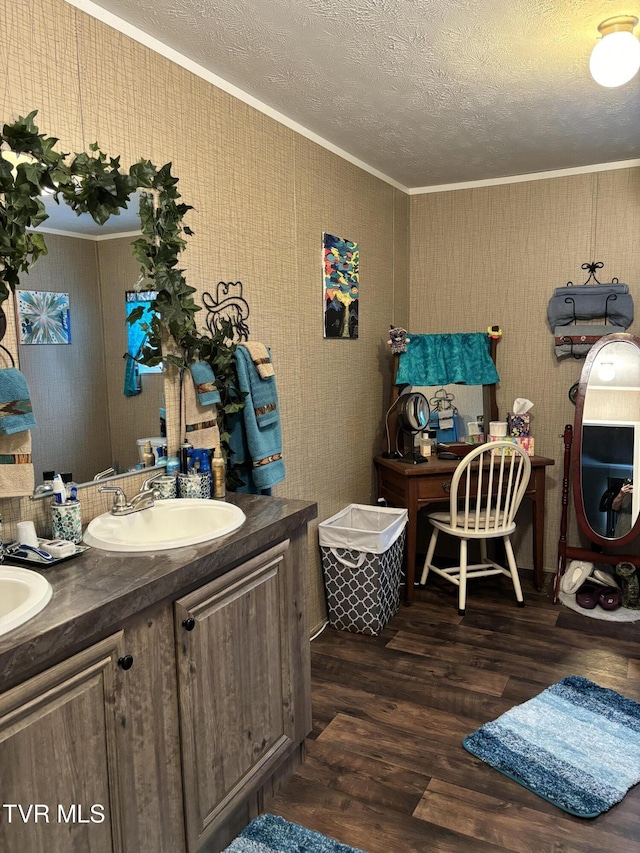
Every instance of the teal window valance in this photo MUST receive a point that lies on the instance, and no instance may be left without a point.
(461, 357)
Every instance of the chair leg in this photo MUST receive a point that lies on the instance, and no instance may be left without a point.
(430, 552)
(513, 568)
(462, 589)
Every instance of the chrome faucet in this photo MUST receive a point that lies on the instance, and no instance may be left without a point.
(144, 499)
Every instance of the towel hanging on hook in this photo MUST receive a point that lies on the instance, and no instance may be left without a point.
(10, 356)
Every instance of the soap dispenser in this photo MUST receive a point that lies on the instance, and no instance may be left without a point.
(219, 473)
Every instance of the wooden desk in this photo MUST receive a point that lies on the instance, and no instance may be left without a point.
(416, 486)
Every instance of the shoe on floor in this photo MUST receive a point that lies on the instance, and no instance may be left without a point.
(604, 577)
(575, 575)
(628, 575)
(588, 595)
(610, 598)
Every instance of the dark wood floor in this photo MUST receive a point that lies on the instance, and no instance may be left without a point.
(385, 768)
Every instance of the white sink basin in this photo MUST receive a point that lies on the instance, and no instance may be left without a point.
(23, 594)
(167, 524)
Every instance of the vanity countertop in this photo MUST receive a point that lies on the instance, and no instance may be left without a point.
(99, 589)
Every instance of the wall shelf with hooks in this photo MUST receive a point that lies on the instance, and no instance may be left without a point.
(572, 305)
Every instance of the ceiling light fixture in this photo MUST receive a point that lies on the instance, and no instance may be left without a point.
(616, 57)
(606, 371)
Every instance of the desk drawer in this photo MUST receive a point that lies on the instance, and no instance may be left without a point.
(434, 488)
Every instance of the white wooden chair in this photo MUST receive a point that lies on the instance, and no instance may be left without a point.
(486, 491)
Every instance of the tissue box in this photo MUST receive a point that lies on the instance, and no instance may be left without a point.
(527, 442)
(475, 439)
(518, 424)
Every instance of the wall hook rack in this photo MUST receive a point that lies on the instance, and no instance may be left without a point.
(573, 309)
(3, 330)
(592, 267)
(611, 297)
(229, 306)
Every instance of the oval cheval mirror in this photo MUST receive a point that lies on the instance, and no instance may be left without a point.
(606, 446)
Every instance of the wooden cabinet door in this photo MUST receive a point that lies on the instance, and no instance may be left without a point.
(64, 756)
(235, 687)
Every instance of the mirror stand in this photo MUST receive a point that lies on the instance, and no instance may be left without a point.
(601, 456)
(568, 552)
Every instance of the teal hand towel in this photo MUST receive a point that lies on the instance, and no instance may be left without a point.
(260, 423)
(261, 390)
(205, 381)
(16, 414)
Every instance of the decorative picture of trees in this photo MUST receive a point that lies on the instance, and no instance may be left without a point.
(341, 269)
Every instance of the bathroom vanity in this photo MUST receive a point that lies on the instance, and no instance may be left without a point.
(154, 701)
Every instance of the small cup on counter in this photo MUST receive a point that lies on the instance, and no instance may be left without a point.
(27, 533)
(165, 488)
(195, 485)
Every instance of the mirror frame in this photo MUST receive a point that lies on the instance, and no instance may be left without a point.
(576, 448)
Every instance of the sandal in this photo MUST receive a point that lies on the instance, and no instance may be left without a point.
(588, 595)
(610, 598)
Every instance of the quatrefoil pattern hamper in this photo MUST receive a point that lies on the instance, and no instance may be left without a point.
(362, 549)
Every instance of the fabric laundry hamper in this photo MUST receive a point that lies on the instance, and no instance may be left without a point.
(362, 548)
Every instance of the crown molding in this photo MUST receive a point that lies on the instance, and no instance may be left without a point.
(174, 56)
(518, 179)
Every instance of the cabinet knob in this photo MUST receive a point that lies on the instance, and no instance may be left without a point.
(125, 662)
(189, 624)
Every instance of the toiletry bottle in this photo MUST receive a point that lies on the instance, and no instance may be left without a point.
(46, 487)
(70, 486)
(428, 443)
(425, 447)
(219, 473)
(184, 456)
(173, 466)
(59, 490)
(148, 456)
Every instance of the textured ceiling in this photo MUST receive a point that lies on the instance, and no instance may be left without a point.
(427, 92)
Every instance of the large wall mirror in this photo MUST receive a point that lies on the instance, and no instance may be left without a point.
(96, 426)
(88, 421)
(606, 448)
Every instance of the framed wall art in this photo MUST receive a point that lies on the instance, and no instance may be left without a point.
(43, 317)
(341, 276)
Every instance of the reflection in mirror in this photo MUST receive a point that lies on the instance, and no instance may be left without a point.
(468, 402)
(610, 440)
(96, 426)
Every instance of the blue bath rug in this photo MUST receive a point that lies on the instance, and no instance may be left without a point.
(576, 744)
(271, 834)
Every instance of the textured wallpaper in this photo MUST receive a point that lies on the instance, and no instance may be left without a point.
(494, 255)
(262, 197)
